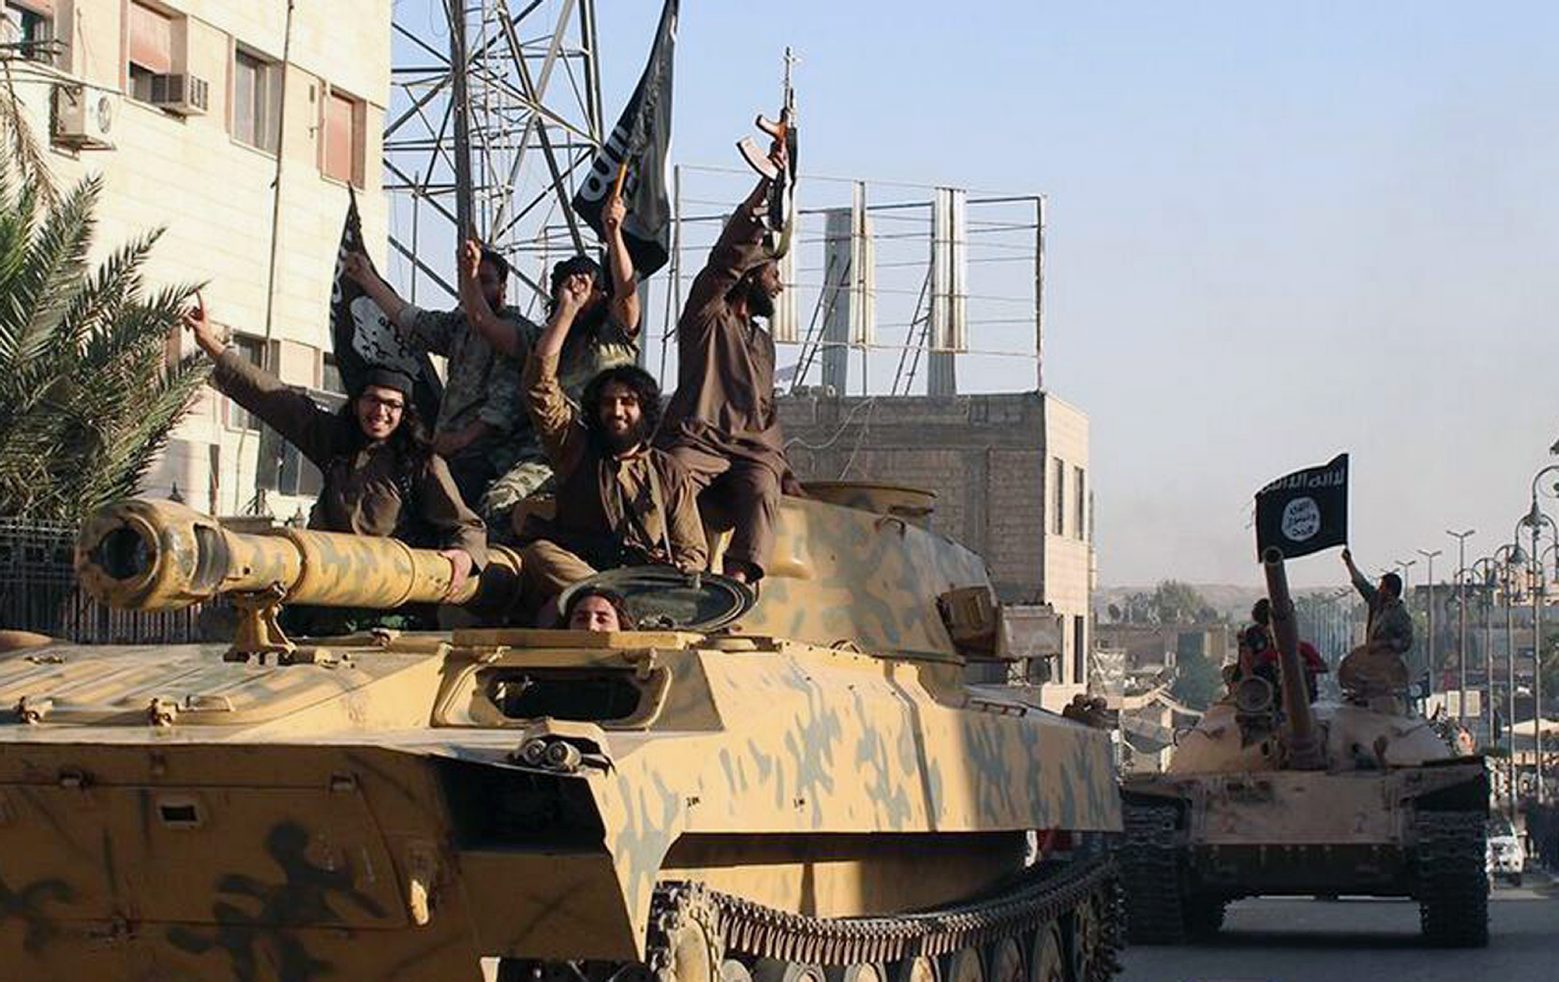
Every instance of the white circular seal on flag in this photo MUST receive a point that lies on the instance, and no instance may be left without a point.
(1301, 519)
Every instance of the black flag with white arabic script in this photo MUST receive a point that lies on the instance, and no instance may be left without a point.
(1304, 512)
(642, 138)
(364, 338)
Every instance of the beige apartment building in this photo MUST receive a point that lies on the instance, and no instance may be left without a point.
(239, 136)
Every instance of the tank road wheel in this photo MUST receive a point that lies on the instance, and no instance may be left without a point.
(1005, 959)
(1046, 962)
(920, 968)
(963, 965)
(1453, 890)
(732, 970)
(685, 946)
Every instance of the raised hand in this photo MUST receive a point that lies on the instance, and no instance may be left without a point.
(469, 259)
(199, 327)
(357, 266)
(613, 214)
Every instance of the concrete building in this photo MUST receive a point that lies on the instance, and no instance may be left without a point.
(196, 125)
(1010, 472)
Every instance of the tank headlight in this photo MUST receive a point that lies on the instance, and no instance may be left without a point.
(533, 751)
(563, 756)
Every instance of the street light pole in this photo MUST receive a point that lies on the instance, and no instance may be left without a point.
(1461, 618)
(1485, 571)
(1512, 560)
(1537, 518)
(1429, 622)
(1402, 568)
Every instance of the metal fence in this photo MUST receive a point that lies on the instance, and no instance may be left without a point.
(38, 592)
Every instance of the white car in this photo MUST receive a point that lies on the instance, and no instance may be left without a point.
(1503, 856)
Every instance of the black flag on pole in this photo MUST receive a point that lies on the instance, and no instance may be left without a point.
(364, 338)
(642, 138)
(1305, 512)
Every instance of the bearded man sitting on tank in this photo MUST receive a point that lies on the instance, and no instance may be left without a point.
(381, 476)
(1375, 673)
(620, 502)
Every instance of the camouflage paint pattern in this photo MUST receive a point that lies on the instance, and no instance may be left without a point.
(166, 813)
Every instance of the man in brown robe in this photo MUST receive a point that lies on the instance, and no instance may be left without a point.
(721, 425)
(380, 476)
(619, 501)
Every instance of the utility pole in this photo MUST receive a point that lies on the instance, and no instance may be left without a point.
(1402, 568)
(1510, 679)
(1461, 619)
(1429, 555)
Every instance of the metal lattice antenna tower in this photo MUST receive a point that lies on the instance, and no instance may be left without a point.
(533, 113)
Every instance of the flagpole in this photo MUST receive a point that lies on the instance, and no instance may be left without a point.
(674, 295)
(460, 109)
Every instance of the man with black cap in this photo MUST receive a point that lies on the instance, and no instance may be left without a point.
(620, 502)
(381, 476)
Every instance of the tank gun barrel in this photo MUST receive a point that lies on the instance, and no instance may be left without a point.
(1304, 750)
(139, 554)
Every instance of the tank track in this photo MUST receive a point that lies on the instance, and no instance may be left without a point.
(1453, 888)
(1149, 857)
(750, 934)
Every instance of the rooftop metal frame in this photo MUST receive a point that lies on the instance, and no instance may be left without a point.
(461, 147)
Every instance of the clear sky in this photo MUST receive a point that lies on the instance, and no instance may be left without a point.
(1277, 232)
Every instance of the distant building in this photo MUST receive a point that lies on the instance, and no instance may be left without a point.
(179, 106)
(1011, 474)
(1152, 651)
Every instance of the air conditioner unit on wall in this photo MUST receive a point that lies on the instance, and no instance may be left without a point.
(187, 95)
(84, 117)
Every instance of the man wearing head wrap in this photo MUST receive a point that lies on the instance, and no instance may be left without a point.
(620, 502)
(380, 476)
(721, 425)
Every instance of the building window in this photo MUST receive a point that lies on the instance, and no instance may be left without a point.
(342, 157)
(252, 350)
(151, 49)
(1058, 499)
(256, 101)
(330, 375)
(28, 28)
(1079, 650)
(1079, 503)
(1064, 658)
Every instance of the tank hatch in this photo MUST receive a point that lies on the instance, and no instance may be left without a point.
(661, 598)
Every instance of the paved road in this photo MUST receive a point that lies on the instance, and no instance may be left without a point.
(1376, 940)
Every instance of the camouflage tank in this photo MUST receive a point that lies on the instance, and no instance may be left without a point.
(788, 788)
(1269, 795)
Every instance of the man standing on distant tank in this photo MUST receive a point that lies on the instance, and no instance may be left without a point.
(1379, 662)
(721, 425)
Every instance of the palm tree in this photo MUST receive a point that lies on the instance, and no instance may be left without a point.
(87, 392)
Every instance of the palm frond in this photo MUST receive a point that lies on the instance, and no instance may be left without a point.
(23, 146)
